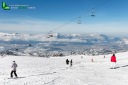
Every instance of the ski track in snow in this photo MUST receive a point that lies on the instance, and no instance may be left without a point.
(54, 71)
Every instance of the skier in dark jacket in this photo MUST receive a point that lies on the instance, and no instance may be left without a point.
(67, 61)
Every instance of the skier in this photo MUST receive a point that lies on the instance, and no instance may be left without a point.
(104, 56)
(113, 61)
(14, 66)
(67, 61)
(71, 63)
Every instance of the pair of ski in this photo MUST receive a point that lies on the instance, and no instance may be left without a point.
(16, 77)
(114, 68)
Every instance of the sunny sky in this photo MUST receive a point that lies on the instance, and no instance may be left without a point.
(63, 16)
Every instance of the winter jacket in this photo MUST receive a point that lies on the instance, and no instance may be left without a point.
(67, 61)
(14, 65)
(113, 59)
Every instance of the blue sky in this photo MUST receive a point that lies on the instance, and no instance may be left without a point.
(111, 16)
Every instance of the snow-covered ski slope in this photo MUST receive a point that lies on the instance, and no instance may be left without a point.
(53, 70)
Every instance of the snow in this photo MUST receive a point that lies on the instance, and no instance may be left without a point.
(54, 71)
(125, 41)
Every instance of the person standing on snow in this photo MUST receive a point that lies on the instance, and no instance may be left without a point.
(113, 61)
(67, 61)
(14, 66)
(71, 63)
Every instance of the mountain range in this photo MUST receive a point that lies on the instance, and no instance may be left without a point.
(54, 44)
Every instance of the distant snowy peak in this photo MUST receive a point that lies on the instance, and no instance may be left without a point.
(125, 40)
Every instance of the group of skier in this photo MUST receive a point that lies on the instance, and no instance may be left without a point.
(113, 65)
(69, 62)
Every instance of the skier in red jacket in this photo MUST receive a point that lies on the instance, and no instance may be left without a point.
(113, 61)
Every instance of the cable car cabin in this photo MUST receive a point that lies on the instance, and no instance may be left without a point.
(49, 35)
(79, 22)
(93, 15)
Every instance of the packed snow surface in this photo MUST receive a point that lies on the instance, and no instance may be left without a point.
(54, 71)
